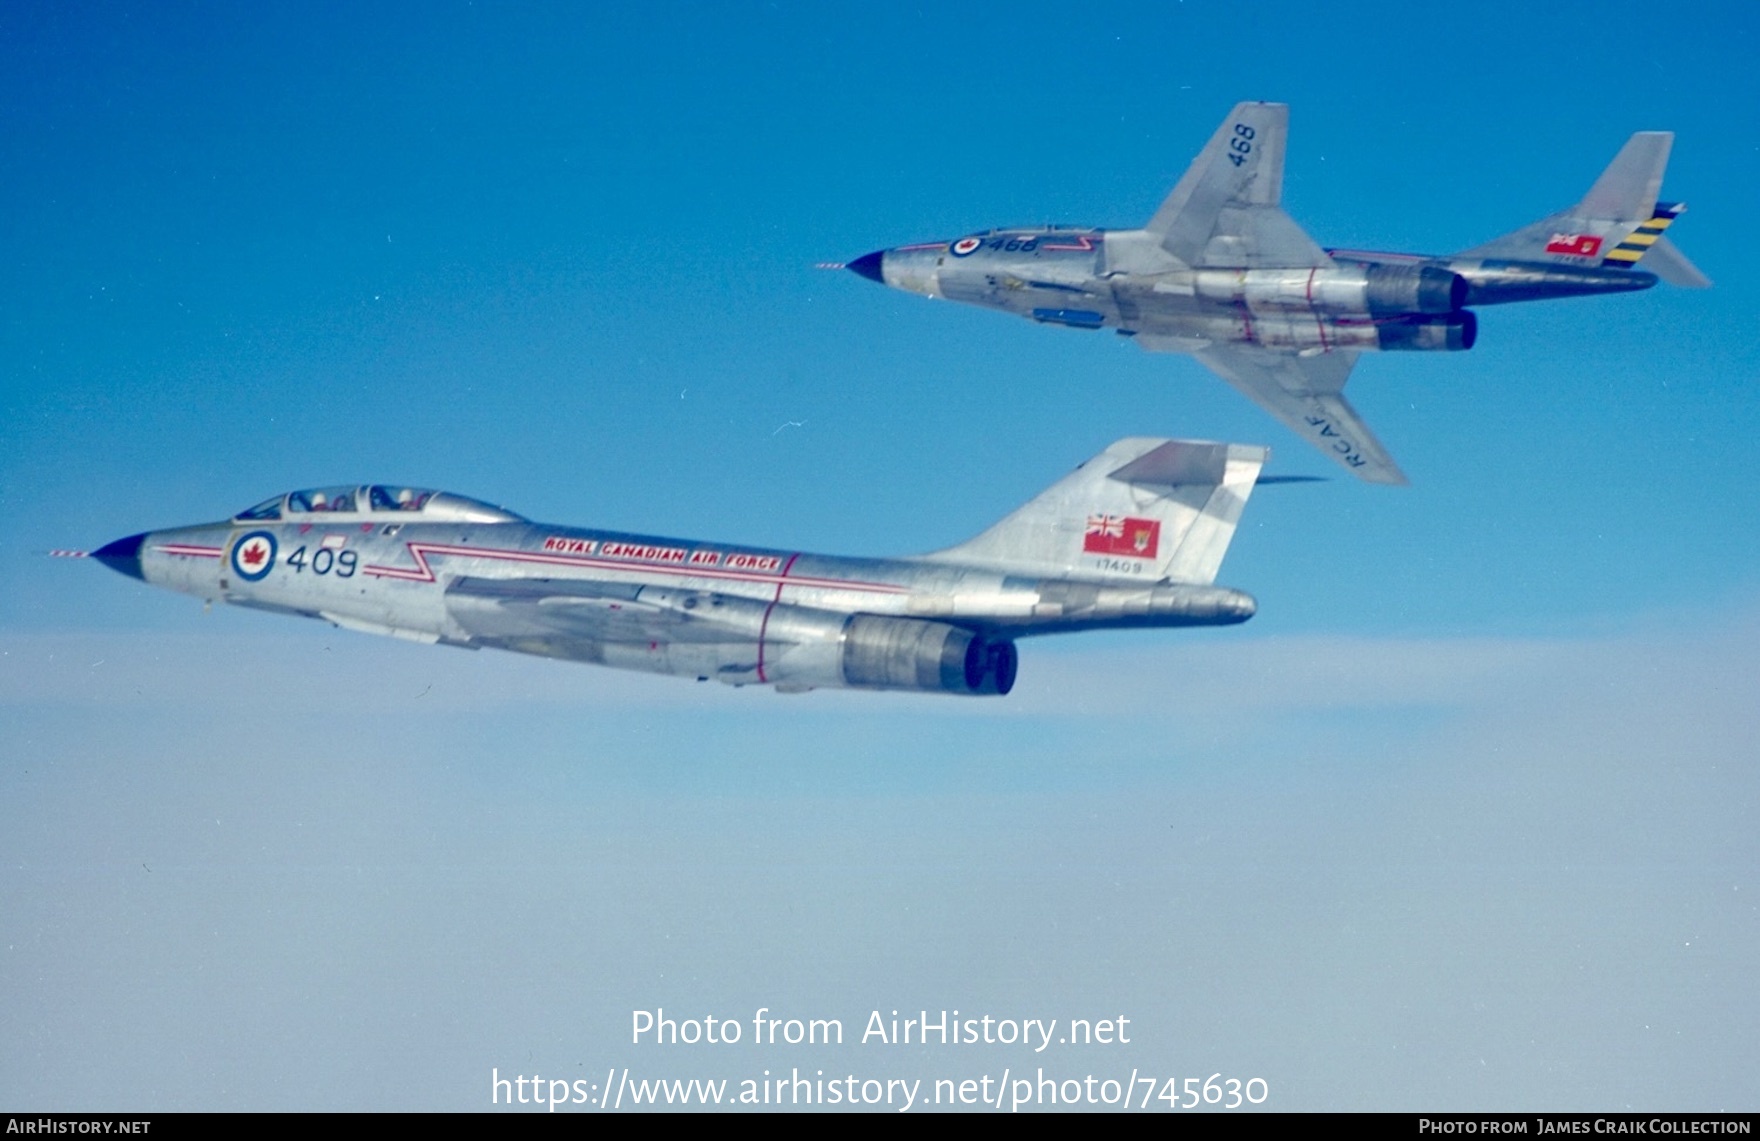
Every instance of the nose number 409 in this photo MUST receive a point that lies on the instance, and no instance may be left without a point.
(324, 560)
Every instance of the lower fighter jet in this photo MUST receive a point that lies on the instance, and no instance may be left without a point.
(1132, 538)
(1223, 273)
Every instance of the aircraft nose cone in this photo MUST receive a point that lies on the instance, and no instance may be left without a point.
(123, 556)
(868, 265)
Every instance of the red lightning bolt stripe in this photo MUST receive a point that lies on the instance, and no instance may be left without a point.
(423, 572)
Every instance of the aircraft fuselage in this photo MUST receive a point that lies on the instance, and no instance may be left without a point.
(1124, 280)
(431, 567)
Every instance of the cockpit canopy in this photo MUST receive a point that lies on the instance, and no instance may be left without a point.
(387, 501)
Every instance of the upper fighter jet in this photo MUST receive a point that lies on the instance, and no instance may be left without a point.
(1223, 273)
(1132, 538)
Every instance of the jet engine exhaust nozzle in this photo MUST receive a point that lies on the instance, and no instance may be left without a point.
(1454, 333)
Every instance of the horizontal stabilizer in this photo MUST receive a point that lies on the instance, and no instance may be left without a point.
(1666, 261)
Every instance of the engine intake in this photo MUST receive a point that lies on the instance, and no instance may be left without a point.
(910, 653)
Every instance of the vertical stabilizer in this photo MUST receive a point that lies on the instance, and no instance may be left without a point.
(1628, 188)
(1614, 226)
(1144, 509)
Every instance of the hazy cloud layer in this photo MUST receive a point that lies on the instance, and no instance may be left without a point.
(314, 869)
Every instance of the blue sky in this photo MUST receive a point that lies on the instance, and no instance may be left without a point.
(562, 258)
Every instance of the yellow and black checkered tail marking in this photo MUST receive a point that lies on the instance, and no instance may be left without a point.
(1638, 242)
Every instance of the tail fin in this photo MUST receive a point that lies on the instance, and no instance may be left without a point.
(1615, 224)
(1146, 509)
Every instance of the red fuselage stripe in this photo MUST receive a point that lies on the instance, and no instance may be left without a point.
(764, 626)
(1319, 321)
(422, 572)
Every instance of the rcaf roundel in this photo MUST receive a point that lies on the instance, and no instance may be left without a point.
(253, 556)
(966, 246)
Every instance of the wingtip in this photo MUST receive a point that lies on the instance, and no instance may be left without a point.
(1387, 475)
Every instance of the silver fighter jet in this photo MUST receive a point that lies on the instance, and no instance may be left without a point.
(1223, 273)
(1132, 538)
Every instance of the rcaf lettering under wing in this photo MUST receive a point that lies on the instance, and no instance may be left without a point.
(1306, 393)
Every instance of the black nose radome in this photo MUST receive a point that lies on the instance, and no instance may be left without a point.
(124, 556)
(868, 265)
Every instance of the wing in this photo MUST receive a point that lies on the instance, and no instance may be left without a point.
(1306, 393)
(1226, 210)
(568, 618)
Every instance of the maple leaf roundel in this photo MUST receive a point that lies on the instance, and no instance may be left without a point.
(253, 556)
